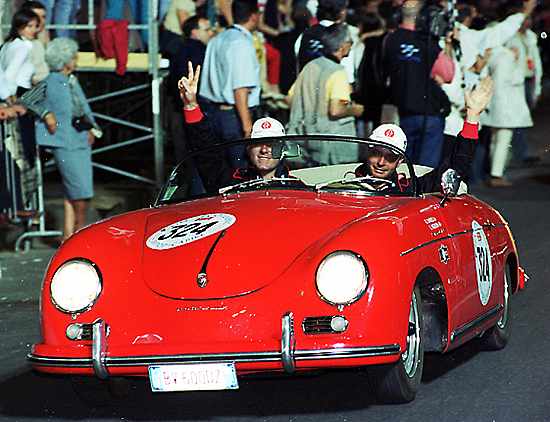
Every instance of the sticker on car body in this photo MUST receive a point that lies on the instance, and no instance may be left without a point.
(484, 268)
(189, 230)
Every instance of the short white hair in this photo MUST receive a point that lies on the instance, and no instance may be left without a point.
(60, 52)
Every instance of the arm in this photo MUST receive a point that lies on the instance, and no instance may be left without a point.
(476, 101)
(182, 15)
(241, 104)
(339, 91)
(500, 33)
(200, 130)
(534, 53)
(342, 108)
(225, 9)
(213, 169)
(243, 62)
(95, 132)
(4, 91)
(265, 28)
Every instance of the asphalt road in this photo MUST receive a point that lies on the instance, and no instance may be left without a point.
(465, 385)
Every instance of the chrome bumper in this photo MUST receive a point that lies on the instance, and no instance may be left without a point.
(288, 354)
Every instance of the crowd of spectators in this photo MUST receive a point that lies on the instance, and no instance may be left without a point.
(347, 67)
(325, 66)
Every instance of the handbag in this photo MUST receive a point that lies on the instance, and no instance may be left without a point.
(81, 123)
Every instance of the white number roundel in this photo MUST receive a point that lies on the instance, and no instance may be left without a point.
(484, 268)
(189, 230)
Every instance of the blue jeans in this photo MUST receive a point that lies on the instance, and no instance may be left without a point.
(140, 13)
(65, 13)
(424, 138)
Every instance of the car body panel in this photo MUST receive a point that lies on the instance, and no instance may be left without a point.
(231, 277)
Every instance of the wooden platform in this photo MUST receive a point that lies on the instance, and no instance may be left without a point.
(137, 62)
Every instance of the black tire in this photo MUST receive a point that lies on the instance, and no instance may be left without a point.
(399, 382)
(497, 337)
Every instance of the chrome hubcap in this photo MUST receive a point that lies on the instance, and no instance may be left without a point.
(410, 356)
(501, 323)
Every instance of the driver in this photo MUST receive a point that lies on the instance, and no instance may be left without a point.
(381, 163)
(214, 169)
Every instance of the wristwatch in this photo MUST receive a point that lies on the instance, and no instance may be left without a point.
(97, 132)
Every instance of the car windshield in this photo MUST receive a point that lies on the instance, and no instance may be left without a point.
(315, 163)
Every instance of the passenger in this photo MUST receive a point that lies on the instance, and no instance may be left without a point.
(215, 170)
(382, 162)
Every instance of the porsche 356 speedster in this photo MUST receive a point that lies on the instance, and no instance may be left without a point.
(314, 268)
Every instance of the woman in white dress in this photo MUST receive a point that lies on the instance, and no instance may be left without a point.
(508, 109)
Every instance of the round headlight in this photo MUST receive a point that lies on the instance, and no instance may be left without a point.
(75, 286)
(341, 278)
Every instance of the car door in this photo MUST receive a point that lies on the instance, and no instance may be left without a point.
(472, 285)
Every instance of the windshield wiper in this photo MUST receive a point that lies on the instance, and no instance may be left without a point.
(356, 181)
(257, 182)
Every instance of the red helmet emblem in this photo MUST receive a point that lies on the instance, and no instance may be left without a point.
(389, 133)
(266, 125)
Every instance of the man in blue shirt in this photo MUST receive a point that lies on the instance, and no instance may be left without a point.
(231, 76)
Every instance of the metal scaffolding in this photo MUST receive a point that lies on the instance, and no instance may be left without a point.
(150, 133)
(153, 69)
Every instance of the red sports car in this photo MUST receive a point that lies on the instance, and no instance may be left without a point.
(316, 266)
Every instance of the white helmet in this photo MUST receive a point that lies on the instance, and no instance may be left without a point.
(267, 126)
(390, 134)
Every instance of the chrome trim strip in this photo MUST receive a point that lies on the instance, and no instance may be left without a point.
(439, 239)
(244, 357)
(99, 348)
(449, 236)
(288, 343)
(462, 330)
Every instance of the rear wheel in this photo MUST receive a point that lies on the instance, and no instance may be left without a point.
(496, 338)
(398, 383)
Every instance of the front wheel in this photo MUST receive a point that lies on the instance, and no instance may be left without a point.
(398, 383)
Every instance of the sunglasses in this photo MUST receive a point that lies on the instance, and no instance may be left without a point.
(386, 153)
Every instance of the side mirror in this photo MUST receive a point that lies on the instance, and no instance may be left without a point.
(450, 183)
(281, 149)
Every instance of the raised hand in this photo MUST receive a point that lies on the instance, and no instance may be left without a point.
(478, 98)
(189, 86)
(529, 6)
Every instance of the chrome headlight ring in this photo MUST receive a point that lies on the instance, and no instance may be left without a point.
(341, 278)
(76, 285)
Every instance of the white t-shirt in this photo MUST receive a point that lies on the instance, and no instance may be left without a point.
(171, 20)
(15, 62)
(4, 91)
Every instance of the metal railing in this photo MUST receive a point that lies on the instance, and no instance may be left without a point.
(25, 188)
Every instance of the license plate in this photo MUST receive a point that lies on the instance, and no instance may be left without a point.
(193, 377)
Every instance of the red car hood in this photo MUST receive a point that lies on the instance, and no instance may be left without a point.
(240, 244)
